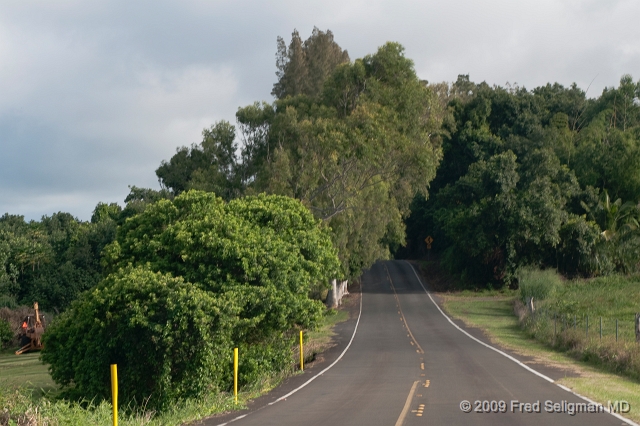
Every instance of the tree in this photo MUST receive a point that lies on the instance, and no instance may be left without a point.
(356, 155)
(304, 66)
(210, 165)
(505, 193)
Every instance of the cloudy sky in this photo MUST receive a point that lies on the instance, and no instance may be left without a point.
(95, 94)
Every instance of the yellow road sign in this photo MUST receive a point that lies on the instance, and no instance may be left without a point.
(428, 240)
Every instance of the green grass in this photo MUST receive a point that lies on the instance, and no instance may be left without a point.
(25, 370)
(613, 297)
(495, 316)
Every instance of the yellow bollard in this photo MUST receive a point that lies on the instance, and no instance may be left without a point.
(301, 353)
(235, 374)
(114, 392)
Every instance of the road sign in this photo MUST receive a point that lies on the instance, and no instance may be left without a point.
(428, 240)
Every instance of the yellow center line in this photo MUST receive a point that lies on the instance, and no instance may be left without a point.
(403, 319)
(407, 404)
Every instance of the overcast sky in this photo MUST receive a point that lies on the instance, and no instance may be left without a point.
(95, 94)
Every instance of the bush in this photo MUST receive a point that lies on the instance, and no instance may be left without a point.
(8, 302)
(191, 279)
(537, 283)
(169, 339)
(6, 333)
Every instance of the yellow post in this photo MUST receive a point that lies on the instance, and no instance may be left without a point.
(301, 353)
(235, 374)
(114, 392)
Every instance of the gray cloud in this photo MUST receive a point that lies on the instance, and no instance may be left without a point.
(95, 94)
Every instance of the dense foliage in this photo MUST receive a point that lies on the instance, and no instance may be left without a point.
(527, 178)
(53, 260)
(50, 261)
(190, 279)
(354, 141)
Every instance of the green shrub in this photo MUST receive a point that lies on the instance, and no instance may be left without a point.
(6, 334)
(190, 279)
(8, 302)
(169, 339)
(536, 283)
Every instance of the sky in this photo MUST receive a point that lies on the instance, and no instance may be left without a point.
(94, 95)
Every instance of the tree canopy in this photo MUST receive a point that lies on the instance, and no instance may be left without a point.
(523, 178)
(353, 141)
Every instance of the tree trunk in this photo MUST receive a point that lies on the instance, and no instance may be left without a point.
(332, 296)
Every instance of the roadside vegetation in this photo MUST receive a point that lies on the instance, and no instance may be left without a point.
(29, 396)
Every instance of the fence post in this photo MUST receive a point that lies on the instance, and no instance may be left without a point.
(114, 392)
(235, 374)
(637, 327)
(301, 353)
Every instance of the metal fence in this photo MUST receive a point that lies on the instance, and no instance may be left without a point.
(558, 324)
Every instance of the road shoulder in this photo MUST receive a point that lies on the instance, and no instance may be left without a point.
(342, 333)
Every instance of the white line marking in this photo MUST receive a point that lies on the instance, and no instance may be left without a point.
(314, 377)
(526, 367)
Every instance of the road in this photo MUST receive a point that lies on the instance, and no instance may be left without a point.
(409, 365)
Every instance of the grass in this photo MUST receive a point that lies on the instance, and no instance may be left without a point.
(29, 394)
(613, 297)
(320, 339)
(25, 371)
(494, 314)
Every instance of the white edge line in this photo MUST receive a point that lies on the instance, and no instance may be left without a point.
(526, 367)
(317, 375)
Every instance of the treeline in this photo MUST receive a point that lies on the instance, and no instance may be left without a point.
(53, 260)
(544, 177)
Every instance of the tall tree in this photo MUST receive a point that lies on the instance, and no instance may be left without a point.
(355, 155)
(304, 66)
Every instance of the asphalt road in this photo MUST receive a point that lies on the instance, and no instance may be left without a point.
(408, 365)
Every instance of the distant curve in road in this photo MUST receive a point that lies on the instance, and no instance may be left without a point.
(409, 365)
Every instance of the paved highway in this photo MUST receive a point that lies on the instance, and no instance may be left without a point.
(408, 365)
